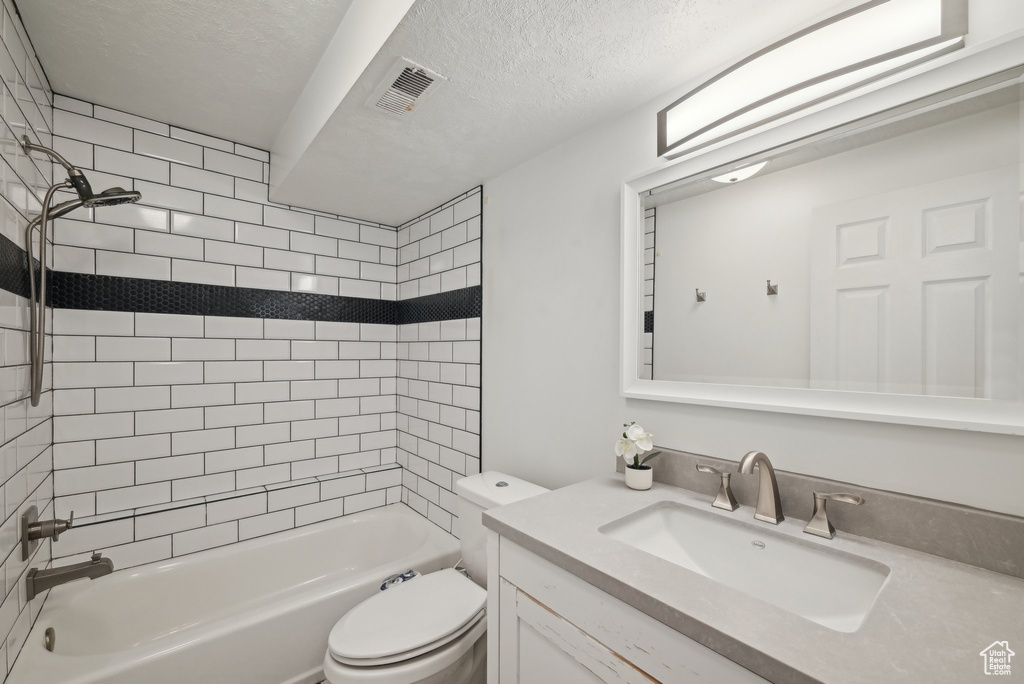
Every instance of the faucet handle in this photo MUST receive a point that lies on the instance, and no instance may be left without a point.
(819, 523)
(724, 500)
(61, 526)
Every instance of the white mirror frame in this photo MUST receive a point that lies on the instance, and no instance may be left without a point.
(983, 415)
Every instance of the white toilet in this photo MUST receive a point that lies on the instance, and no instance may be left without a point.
(428, 630)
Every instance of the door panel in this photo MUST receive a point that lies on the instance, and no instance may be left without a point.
(917, 291)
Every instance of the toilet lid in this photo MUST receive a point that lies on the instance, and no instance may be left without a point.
(407, 617)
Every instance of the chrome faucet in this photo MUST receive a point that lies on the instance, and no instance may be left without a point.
(769, 507)
(37, 581)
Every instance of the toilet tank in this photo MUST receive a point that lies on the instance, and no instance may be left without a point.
(478, 493)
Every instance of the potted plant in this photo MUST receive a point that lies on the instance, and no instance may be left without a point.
(631, 446)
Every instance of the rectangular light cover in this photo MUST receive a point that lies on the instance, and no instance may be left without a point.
(844, 52)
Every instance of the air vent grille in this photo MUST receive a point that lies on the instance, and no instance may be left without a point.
(405, 87)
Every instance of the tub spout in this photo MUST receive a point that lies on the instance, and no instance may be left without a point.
(38, 581)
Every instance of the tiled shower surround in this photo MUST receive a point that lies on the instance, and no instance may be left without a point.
(223, 367)
(257, 367)
(25, 431)
(439, 361)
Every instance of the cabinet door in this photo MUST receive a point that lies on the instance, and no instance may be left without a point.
(543, 620)
(540, 647)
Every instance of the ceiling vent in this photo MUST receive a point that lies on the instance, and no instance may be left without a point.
(404, 88)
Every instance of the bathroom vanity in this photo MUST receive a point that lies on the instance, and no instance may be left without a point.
(555, 627)
(599, 583)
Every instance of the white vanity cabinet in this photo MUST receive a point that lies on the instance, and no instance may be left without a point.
(547, 626)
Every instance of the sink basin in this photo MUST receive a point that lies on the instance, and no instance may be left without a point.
(831, 587)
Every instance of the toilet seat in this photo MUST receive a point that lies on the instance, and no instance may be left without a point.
(408, 655)
(408, 620)
(443, 665)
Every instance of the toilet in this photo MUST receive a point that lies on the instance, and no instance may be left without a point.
(430, 629)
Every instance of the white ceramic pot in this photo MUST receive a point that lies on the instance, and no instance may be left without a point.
(639, 479)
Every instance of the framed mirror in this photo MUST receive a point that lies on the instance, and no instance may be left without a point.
(864, 261)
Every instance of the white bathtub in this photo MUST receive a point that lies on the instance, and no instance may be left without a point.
(254, 612)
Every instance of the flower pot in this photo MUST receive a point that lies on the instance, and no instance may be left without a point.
(639, 478)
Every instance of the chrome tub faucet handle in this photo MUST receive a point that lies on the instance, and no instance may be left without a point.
(33, 530)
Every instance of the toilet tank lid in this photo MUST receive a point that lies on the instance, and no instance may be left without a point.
(492, 489)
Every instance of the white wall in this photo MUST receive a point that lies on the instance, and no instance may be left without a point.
(551, 352)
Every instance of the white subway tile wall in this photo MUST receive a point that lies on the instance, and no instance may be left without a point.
(177, 433)
(650, 218)
(439, 362)
(205, 518)
(26, 453)
(204, 215)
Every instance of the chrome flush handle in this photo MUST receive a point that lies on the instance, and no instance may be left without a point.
(725, 500)
(819, 524)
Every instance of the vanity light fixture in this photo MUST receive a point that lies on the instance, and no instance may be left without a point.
(865, 43)
(737, 175)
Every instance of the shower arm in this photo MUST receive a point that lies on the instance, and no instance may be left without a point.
(30, 146)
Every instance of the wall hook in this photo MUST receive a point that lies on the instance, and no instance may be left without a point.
(772, 289)
(701, 296)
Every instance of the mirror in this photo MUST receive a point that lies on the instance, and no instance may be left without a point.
(884, 257)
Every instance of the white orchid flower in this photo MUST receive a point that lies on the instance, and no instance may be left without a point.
(641, 437)
(626, 448)
(632, 445)
(644, 443)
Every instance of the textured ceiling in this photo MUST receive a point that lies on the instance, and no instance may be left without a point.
(231, 68)
(524, 75)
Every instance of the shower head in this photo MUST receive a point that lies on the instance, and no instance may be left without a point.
(58, 210)
(107, 198)
(114, 195)
(77, 179)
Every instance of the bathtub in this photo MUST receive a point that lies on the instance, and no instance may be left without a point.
(254, 612)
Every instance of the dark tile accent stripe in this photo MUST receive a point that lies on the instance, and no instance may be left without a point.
(115, 293)
(13, 268)
(444, 306)
(648, 321)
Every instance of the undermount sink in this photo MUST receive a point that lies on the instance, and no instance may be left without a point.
(831, 587)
